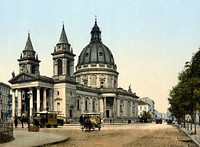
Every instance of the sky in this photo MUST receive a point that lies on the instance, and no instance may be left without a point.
(150, 39)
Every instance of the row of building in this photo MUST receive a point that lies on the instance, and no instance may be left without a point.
(145, 104)
(89, 87)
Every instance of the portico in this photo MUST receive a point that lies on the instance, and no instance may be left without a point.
(33, 97)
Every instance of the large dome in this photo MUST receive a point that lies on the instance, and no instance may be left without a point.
(96, 52)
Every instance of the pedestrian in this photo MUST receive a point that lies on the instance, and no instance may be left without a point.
(16, 122)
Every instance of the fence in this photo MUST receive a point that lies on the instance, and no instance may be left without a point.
(6, 132)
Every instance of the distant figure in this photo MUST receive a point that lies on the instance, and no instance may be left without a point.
(22, 121)
(16, 122)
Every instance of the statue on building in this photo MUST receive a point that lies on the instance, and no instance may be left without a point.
(13, 74)
(129, 88)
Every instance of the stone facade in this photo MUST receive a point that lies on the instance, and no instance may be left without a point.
(92, 88)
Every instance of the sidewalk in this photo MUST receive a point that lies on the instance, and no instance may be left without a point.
(190, 133)
(24, 138)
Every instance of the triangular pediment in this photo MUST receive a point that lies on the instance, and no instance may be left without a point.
(23, 77)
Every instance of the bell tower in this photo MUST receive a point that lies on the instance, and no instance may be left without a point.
(63, 58)
(28, 61)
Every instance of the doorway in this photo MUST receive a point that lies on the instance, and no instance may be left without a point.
(107, 113)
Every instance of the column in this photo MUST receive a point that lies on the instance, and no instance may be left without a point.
(82, 104)
(89, 80)
(72, 68)
(13, 103)
(19, 102)
(38, 99)
(31, 102)
(64, 66)
(125, 108)
(101, 106)
(118, 107)
(104, 106)
(51, 100)
(44, 99)
(91, 104)
(114, 107)
(54, 71)
(131, 109)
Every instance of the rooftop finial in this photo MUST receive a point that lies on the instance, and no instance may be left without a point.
(63, 23)
(95, 18)
(28, 33)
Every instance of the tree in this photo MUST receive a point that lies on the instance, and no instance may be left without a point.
(185, 96)
(146, 116)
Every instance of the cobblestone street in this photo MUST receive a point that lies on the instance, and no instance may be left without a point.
(128, 135)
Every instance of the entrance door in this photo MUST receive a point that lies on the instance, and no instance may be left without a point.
(70, 114)
(107, 113)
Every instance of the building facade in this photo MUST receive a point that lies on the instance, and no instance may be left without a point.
(142, 107)
(92, 87)
(5, 102)
(151, 106)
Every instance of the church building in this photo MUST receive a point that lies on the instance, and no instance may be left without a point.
(91, 86)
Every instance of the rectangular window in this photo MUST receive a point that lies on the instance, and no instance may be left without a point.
(58, 106)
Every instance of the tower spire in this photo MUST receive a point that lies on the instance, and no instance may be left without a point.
(63, 36)
(28, 45)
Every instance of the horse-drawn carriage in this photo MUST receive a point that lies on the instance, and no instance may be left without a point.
(90, 121)
(47, 119)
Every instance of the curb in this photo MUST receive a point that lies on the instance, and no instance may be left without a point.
(189, 136)
(52, 143)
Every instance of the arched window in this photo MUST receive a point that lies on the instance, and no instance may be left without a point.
(78, 104)
(86, 105)
(93, 81)
(121, 105)
(33, 69)
(68, 67)
(93, 105)
(59, 67)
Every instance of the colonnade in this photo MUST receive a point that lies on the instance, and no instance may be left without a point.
(116, 109)
(35, 99)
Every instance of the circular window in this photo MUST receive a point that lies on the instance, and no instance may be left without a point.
(100, 54)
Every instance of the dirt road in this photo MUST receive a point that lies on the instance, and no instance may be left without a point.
(129, 135)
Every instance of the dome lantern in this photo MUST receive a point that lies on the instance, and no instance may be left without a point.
(95, 33)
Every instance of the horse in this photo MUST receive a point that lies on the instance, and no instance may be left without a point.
(89, 123)
(23, 119)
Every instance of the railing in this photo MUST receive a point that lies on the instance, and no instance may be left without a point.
(6, 132)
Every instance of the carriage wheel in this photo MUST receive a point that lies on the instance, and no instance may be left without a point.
(41, 125)
(48, 126)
